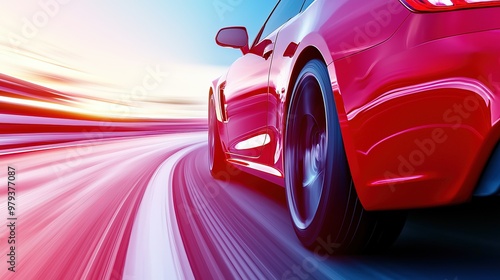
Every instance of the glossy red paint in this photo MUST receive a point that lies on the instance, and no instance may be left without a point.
(416, 93)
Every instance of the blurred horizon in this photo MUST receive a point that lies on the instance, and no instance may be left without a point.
(156, 58)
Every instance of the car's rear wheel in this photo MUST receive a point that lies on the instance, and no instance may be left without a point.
(216, 158)
(321, 197)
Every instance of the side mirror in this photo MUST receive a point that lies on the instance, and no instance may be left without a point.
(233, 37)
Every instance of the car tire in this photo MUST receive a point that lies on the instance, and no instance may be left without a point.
(216, 159)
(326, 212)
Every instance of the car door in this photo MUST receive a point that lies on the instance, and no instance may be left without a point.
(245, 90)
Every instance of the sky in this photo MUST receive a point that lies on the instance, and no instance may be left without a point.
(157, 56)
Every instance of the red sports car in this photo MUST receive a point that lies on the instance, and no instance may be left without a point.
(363, 108)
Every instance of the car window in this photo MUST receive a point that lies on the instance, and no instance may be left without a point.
(285, 10)
(307, 4)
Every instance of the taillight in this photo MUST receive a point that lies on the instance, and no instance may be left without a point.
(447, 5)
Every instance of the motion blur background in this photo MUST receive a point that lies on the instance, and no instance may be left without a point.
(126, 124)
(102, 52)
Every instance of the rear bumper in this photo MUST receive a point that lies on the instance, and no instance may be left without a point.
(434, 64)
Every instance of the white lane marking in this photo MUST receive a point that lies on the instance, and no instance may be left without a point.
(156, 250)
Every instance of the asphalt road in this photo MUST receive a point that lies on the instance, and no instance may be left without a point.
(240, 229)
(146, 207)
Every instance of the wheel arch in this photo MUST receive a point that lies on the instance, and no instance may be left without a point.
(307, 54)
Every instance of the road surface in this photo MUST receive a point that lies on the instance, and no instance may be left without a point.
(146, 207)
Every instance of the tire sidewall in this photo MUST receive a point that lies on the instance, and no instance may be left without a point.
(335, 192)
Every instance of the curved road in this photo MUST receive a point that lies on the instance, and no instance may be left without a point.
(147, 208)
(240, 229)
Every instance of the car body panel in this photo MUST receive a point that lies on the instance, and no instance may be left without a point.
(245, 94)
(428, 123)
(416, 94)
